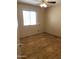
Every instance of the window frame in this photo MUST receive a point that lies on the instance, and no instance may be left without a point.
(29, 11)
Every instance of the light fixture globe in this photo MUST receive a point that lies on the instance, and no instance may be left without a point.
(43, 5)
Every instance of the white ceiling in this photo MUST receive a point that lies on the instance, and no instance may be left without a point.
(37, 2)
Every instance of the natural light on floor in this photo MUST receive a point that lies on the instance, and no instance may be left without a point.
(29, 18)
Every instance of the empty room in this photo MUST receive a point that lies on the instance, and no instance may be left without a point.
(39, 29)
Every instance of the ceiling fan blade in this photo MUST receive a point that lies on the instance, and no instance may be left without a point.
(51, 2)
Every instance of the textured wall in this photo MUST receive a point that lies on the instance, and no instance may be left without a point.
(48, 20)
(30, 30)
(53, 20)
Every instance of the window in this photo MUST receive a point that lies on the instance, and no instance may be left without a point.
(29, 17)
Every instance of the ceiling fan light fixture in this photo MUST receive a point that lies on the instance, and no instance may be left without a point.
(43, 5)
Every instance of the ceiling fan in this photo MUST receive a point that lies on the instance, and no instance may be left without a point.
(46, 2)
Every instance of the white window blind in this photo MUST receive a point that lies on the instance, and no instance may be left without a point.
(29, 17)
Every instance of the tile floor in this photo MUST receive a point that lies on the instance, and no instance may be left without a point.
(41, 46)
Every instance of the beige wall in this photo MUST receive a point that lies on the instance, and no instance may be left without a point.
(48, 20)
(30, 30)
(53, 20)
